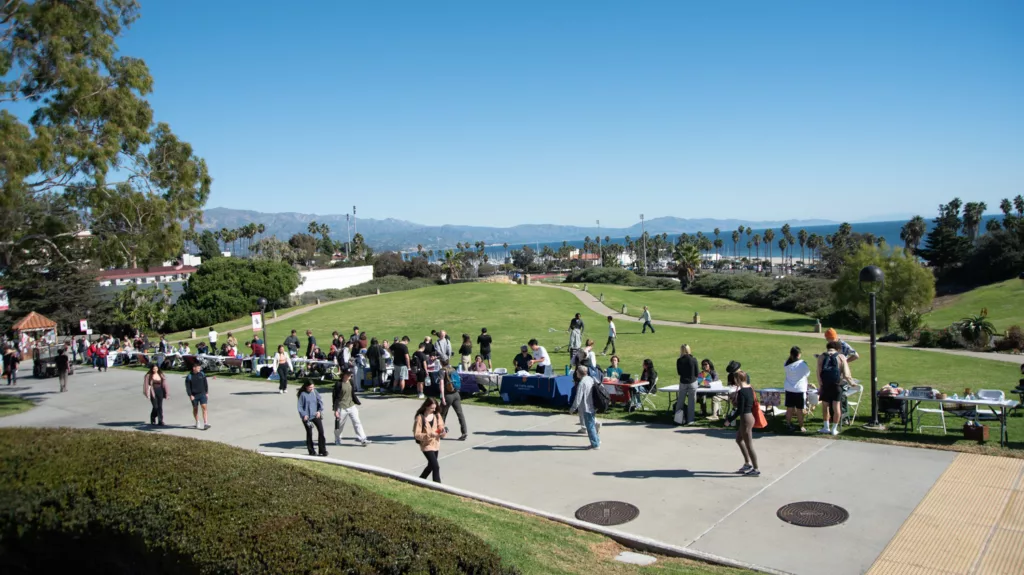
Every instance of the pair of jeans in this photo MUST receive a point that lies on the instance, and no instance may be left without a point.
(156, 399)
(451, 400)
(611, 342)
(433, 467)
(687, 400)
(647, 324)
(282, 374)
(318, 423)
(347, 414)
(63, 377)
(590, 421)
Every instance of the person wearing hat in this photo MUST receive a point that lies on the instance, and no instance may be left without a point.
(522, 361)
(848, 352)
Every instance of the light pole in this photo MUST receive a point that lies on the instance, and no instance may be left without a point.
(600, 254)
(872, 280)
(262, 302)
(643, 236)
(348, 230)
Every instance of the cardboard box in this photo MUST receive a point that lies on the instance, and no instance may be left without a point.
(978, 433)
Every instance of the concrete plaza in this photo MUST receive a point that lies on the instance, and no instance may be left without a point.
(681, 479)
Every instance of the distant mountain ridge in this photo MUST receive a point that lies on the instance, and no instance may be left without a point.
(393, 234)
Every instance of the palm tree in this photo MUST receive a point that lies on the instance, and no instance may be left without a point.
(718, 247)
(973, 212)
(419, 249)
(451, 265)
(687, 258)
(757, 245)
(750, 244)
(813, 242)
(992, 226)
(802, 237)
(783, 244)
(735, 243)
(312, 228)
(913, 232)
(717, 232)
(749, 232)
(769, 235)
(505, 246)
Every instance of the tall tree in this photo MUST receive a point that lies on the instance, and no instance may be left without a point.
(769, 236)
(735, 243)
(973, 212)
(757, 246)
(207, 246)
(913, 232)
(802, 237)
(944, 246)
(687, 260)
(87, 119)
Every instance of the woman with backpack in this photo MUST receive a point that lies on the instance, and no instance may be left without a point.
(451, 384)
(833, 369)
(428, 430)
(745, 418)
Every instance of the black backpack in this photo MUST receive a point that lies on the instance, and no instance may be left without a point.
(601, 398)
(830, 372)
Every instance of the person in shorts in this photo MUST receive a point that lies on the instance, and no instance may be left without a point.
(197, 389)
(484, 340)
(402, 363)
(832, 370)
(797, 372)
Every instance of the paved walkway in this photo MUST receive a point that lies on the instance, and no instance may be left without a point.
(680, 478)
(597, 306)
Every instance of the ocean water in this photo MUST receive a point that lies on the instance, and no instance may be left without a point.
(889, 230)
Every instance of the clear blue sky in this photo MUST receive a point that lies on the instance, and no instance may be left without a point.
(569, 111)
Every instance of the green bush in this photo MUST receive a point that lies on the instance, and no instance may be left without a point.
(949, 338)
(116, 503)
(928, 338)
(618, 276)
(809, 296)
(225, 288)
(385, 284)
(1014, 340)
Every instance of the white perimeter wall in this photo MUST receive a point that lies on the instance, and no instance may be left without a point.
(340, 278)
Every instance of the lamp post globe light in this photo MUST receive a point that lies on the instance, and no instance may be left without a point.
(872, 280)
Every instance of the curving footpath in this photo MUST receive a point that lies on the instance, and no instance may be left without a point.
(597, 306)
(967, 508)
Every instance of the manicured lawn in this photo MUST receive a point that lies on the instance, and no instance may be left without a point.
(532, 544)
(514, 314)
(1004, 302)
(675, 305)
(236, 326)
(10, 405)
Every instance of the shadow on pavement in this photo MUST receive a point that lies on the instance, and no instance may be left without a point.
(665, 473)
(518, 448)
(255, 393)
(521, 413)
(144, 426)
(301, 444)
(514, 433)
(388, 439)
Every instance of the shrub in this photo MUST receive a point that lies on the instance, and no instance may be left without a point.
(141, 503)
(909, 322)
(619, 276)
(792, 294)
(949, 338)
(1014, 340)
(385, 284)
(927, 338)
(225, 288)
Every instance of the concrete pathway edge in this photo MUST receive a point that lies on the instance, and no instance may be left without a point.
(634, 542)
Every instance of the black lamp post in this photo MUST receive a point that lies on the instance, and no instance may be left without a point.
(262, 302)
(872, 280)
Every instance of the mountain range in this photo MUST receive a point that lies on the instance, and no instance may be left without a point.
(393, 234)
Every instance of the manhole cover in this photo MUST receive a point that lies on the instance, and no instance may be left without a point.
(607, 513)
(813, 514)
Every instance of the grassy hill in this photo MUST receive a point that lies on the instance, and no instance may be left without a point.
(1004, 302)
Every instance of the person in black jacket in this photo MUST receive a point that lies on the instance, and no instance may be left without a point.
(378, 365)
(745, 417)
(688, 370)
(197, 388)
(62, 369)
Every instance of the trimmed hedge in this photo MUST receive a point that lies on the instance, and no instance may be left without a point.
(117, 502)
(618, 276)
(809, 296)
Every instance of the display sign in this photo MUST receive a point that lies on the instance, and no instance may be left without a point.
(83, 325)
(257, 321)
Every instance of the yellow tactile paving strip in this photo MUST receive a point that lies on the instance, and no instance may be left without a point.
(970, 523)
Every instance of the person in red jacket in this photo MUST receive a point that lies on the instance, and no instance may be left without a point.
(101, 357)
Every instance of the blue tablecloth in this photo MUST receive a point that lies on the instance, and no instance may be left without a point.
(554, 391)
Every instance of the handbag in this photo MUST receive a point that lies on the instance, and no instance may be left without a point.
(760, 422)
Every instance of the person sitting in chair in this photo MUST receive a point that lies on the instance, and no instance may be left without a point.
(613, 371)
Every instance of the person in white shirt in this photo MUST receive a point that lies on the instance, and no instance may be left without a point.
(646, 318)
(797, 372)
(213, 338)
(540, 356)
(584, 404)
(611, 337)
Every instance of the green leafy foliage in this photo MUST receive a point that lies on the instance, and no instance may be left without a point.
(181, 505)
(809, 296)
(385, 285)
(909, 322)
(908, 285)
(226, 288)
(144, 308)
(207, 244)
(61, 291)
(976, 330)
(618, 276)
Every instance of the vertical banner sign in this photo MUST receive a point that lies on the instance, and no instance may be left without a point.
(257, 321)
(5, 303)
(83, 325)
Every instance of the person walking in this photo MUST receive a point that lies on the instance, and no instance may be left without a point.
(310, 343)
(282, 366)
(575, 343)
(688, 370)
(611, 337)
(154, 388)
(63, 366)
(583, 403)
(797, 372)
(344, 402)
(428, 430)
(466, 352)
(292, 343)
(745, 419)
(832, 370)
(451, 384)
(576, 323)
(11, 361)
(311, 408)
(102, 351)
(646, 318)
(484, 341)
(197, 389)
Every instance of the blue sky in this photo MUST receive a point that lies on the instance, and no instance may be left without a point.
(565, 112)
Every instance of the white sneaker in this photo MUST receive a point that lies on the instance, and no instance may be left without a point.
(581, 430)
(835, 431)
(824, 430)
(421, 396)
(365, 442)
(199, 425)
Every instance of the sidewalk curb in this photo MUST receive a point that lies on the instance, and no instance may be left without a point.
(634, 542)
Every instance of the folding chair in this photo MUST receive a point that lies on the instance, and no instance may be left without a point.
(991, 395)
(644, 394)
(928, 394)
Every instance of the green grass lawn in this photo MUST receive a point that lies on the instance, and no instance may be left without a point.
(1004, 302)
(236, 326)
(675, 305)
(10, 405)
(533, 544)
(514, 314)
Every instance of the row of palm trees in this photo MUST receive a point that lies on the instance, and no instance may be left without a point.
(224, 236)
(914, 230)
